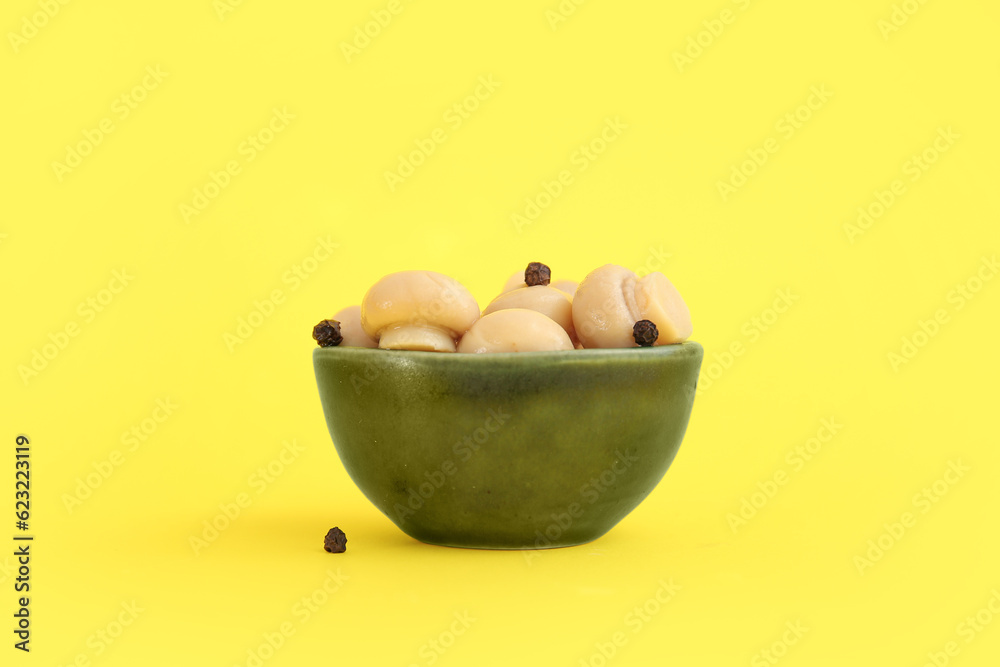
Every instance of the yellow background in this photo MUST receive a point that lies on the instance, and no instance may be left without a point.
(650, 199)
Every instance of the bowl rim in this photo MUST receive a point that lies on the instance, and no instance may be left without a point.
(659, 352)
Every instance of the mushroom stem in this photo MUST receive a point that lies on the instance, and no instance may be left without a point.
(417, 337)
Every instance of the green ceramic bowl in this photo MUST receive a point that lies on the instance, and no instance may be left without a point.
(507, 451)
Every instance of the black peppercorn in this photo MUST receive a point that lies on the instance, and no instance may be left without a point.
(537, 274)
(335, 541)
(645, 333)
(327, 333)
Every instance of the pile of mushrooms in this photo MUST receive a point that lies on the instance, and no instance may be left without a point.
(422, 310)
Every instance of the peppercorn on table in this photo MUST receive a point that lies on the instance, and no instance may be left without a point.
(190, 187)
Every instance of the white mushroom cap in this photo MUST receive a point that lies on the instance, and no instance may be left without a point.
(660, 302)
(514, 330)
(604, 307)
(568, 286)
(516, 281)
(350, 328)
(418, 310)
(611, 299)
(553, 303)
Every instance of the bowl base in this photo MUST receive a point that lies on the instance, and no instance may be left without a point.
(504, 543)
